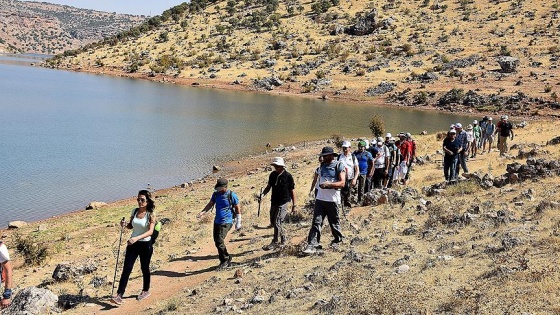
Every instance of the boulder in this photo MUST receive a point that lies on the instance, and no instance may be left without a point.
(96, 205)
(16, 224)
(66, 271)
(382, 88)
(508, 64)
(365, 25)
(33, 301)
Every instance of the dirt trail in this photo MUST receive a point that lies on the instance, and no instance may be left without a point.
(179, 274)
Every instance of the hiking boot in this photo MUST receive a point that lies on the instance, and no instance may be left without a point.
(309, 250)
(269, 246)
(143, 295)
(117, 299)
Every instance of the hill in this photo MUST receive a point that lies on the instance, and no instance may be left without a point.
(487, 245)
(44, 28)
(487, 56)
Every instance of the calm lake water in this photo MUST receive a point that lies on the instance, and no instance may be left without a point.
(70, 138)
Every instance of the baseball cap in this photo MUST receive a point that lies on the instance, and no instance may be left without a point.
(489, 118)
(379, 142)
(458, 125)
(221, 182)
(379, 139)
(452, 131)
(362, 144)
(475, 122)
(388, 135)
(408, 135)
(346, 144)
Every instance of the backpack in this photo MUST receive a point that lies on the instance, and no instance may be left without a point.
(157, 227)
(230, 200)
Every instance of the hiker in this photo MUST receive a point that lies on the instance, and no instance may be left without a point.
(489, 129)
(470, 139)
(7, 272)
(315, 182)
(504, 129)
(412, 148)
(381, 164)
(404, 159)
(482, 126)
(352, 170)
(365, 165)
(282, 184)
(477, 132)
(227, 204)
(390, 144)
(142, 221)
(462, 139)
(332, 177)
(451, 148)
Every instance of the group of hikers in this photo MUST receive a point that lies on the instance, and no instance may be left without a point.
(460, 144)
(379, 165)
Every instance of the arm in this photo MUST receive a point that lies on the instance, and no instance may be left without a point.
(511, 134)
(335, 185)
(314, 182)
(293, 196)
(6, 297)
(266, 190)
(209, 206)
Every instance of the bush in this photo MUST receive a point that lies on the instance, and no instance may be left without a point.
(337, 140)
(33, 253)
(377, 126)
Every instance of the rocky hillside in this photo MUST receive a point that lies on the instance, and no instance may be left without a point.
(488, 55)
(43, 28)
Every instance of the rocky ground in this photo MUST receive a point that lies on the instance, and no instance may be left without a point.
(487, 245)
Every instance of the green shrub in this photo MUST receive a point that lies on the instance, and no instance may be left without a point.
(337, 140)
(33, 253)
(377, 126)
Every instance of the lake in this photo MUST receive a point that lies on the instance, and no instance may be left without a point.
(69, 138)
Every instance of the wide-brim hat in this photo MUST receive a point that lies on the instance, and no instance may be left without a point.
(278, 161)
(327, 151)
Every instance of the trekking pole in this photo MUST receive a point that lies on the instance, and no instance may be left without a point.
(117, 262)
(260, 199)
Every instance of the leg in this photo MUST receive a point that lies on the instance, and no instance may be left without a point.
(129, 259)
(361, 184)
(220, 232)
(314, 237)
(279, 223)
(334, 221)
(146, 251)
(454, 167)
(274, 211)
(446, 167)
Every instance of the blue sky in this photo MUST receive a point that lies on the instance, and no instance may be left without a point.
(140, 7)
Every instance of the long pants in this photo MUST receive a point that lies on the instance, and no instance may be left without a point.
(362, 181)
(450, 167)
(502, 144)
(145, 251)
(390, 175)
(463, 161)
(220, 233)
(324, 209)
(277, 215)
(378, 176)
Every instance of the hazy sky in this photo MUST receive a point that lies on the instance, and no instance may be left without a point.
(145, 7)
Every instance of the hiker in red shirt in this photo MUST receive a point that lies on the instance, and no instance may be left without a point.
(406, 151)
(412, 149)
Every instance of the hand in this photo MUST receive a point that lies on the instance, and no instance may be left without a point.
(238, 222)
(294, 208)
(323, 186)
(198, 216)
(6, 302)
(312, 194)
(132, 240)
(123, 223)
(354, 182)
(260, 197)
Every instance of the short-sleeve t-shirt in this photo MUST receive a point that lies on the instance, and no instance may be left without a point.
(4, 255)
(349, 161)
(406, 150)
(281, 185)
(452, 145)
(329, 172)
(505, 128)
(224, 211)
(364, 159)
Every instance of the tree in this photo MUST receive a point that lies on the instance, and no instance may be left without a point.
(377, 126)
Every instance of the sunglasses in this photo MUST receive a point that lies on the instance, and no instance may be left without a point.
(141, 199)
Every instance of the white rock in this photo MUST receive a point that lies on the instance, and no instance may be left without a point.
(403, 269)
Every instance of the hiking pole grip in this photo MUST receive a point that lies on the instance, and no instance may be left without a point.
(118, 253)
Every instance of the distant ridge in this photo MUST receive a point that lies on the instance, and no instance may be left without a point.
(44, 28)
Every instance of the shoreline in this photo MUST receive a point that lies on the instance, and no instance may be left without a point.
(287, 91)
